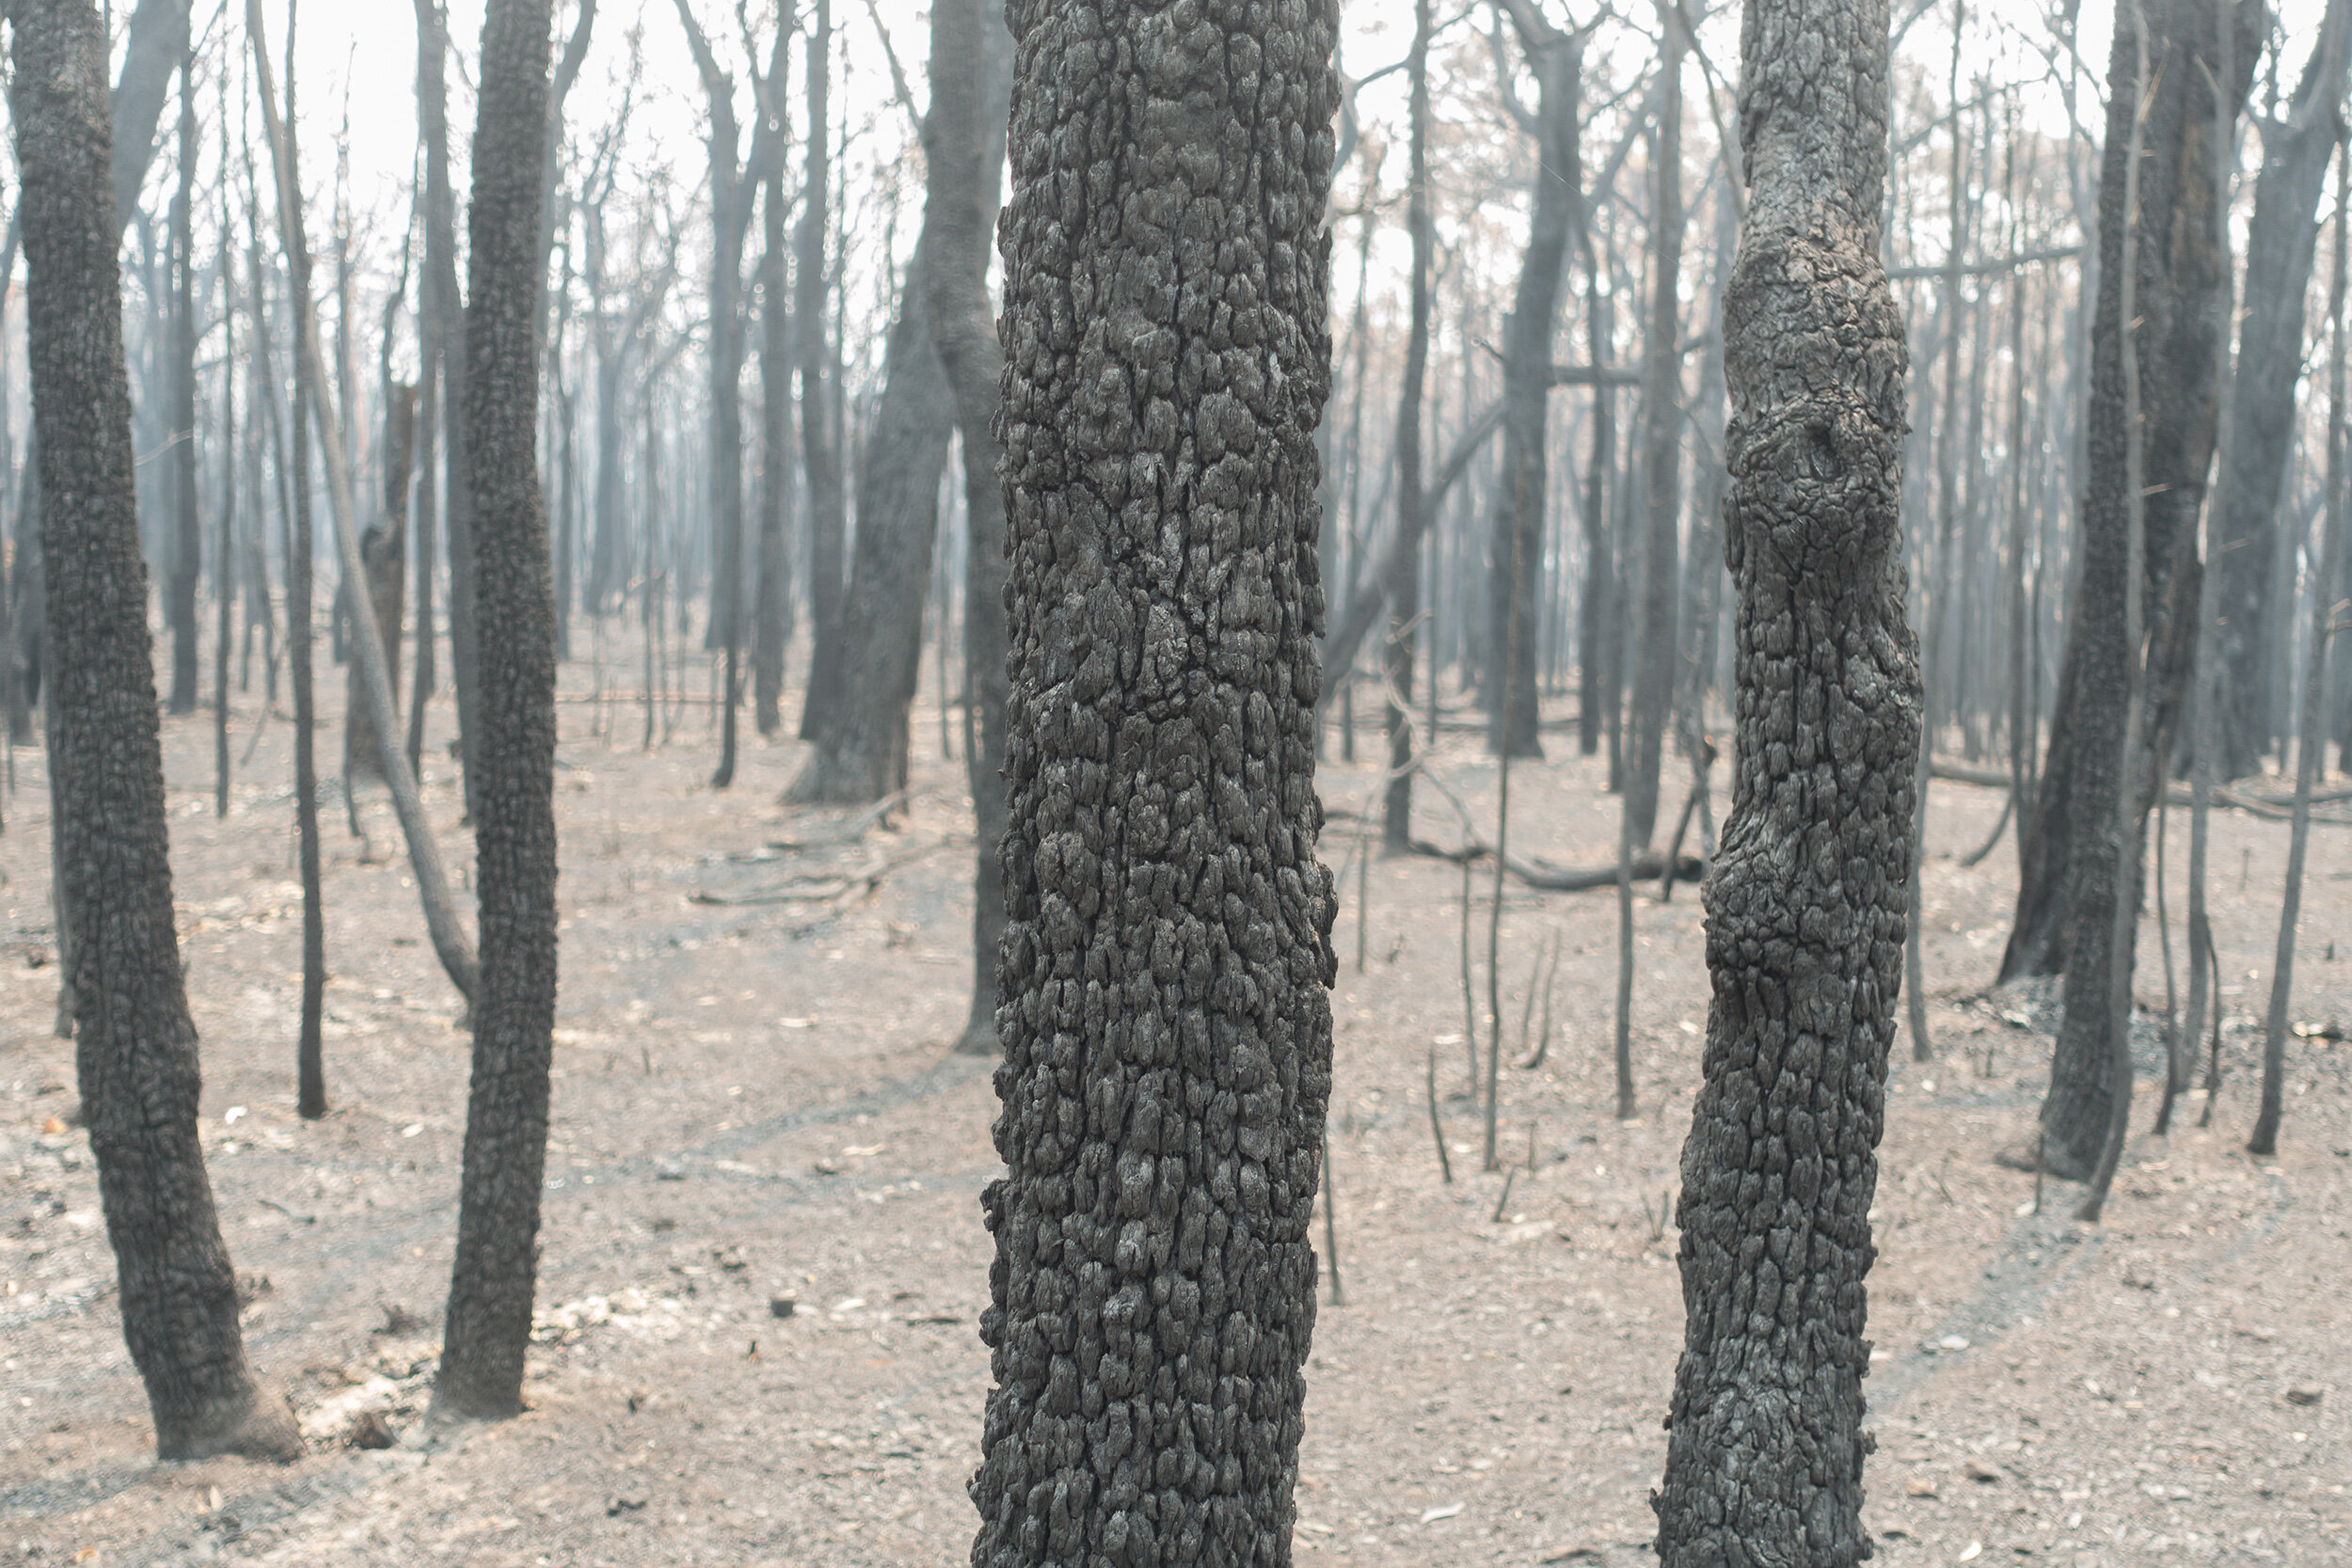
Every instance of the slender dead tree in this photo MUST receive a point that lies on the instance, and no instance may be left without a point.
(135, 1049)
(1657, 561)
(492, 1279)
(444, 318)
(971, 85)
(820, 453)
(225, 546)
(734, 187)
(2310, 730)
(185, 553)
(771, 622)
(1804, 912)
(1940, 568)
(309, 1048)
(2280, 242)
(1556, 60)
(443, 925)
(1401, 588)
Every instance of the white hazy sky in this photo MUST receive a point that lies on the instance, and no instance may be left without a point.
(360, 56)
(367, 50)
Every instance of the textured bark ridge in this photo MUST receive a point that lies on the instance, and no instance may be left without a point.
(135, 1044)
(506, 1109)
(1806, 908)
(1166, 1020)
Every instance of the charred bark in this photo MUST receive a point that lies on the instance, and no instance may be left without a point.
(1804, 910)
(488, 1323)
(136, 1046)
(1152, 1296)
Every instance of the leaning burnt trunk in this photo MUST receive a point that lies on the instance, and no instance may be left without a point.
(1804, 909)
(2071, 863)
(491, 1282)
(135, 1049)
(1152, 1296)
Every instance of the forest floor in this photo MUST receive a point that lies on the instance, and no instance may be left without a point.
(753, 1104)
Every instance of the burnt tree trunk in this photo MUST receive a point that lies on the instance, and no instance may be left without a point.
(506, 1110)
(828, 507)
(2279, 247)
(2070, 864)
(2311, 727)
(1401, 585)
(1556, 60)
(1657, 559)
(225, 542)
(772, 619)
(860, 751)
(1152, 1296)
(385, 548)
(2182, 272)
(1804, 910)
(186, 550)
(1596, 639)
(731, 194)
(964, 152)
(445, 312)
(310, 1049)
(135, 1049)
(425, 531)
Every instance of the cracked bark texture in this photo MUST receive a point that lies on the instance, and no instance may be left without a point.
(1165, 1016)
(2070, 861)
(135, 1044)
(506, 1110)
(1804, 910)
